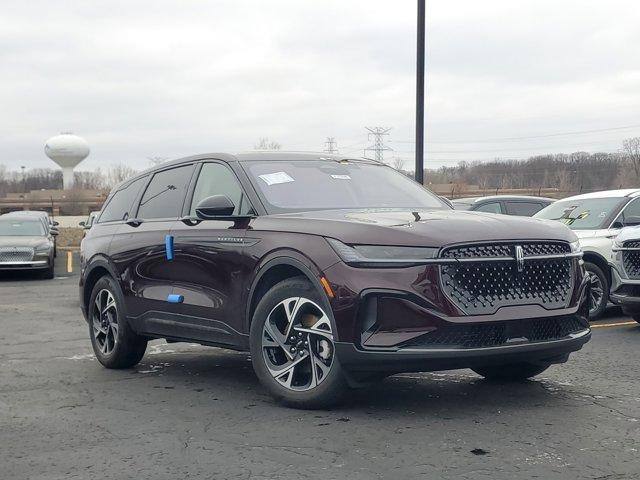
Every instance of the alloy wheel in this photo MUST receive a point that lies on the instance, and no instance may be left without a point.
(104, 318)
(597, 293)
(297, 344)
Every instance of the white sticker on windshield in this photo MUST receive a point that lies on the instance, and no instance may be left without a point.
(276, 178)
(341, 177)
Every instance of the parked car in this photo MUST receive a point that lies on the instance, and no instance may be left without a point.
(25, 244)
(331, 271)
(521, 205)
(597, 219)
(625, 272)
(48, 223)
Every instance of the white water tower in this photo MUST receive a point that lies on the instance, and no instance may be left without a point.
(67, 150)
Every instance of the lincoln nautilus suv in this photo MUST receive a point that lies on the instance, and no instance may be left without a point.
(331, 271)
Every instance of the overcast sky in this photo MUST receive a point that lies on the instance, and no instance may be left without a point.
(165, 78)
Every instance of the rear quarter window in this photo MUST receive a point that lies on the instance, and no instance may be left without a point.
(121, 203)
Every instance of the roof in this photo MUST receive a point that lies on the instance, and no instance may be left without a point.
(471, 200)
(626, 192)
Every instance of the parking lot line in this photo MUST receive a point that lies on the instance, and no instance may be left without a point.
(617, 324)
(69, 262)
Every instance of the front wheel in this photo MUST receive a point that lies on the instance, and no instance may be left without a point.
(512, 372)
(599, 290)
(292, 347)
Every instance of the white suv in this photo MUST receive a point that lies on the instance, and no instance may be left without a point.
(625, 272)
(597, 218)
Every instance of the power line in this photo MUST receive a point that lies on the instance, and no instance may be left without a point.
(330, 145)
(378, 146)
(549, 135)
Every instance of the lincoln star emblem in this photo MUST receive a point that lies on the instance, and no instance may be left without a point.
(519, 258)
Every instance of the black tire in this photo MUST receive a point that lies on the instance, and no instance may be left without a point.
(333, 385)
(603, 283)
(128, 348)
(512, 372)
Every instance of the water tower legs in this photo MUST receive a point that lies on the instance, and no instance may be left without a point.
(67, 178)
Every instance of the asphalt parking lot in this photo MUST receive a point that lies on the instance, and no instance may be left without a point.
(188, 411)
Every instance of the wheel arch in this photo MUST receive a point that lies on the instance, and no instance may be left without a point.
(276, 270)
(599, 260)
(99, 268)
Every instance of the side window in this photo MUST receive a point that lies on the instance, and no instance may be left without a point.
(525, 209)
(492, 207)
(119, 207)
(165, 194)
(631, 210)
(218, 179)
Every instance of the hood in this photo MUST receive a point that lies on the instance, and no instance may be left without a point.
(430, 228)
(25, 241)
(628, 233)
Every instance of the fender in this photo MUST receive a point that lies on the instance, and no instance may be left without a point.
(294, 259)
(97, 261)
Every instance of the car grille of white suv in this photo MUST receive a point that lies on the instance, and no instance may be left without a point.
(16, 254)
(631, 259)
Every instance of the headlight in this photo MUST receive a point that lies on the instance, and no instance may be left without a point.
(43, 247)
(575, 246)
(382, 255)
(616, 245)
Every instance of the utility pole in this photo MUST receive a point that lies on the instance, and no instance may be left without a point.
(378, 146)
(419, 175)
(331, 146)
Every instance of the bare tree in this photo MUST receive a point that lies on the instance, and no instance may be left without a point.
(398, 163)
(157, 160)
(265, 143)
(119, 173)
(631, 149)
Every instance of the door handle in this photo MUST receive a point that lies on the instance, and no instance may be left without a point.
(134, 222)
(190, 221)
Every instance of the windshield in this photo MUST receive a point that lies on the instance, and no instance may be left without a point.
(585, 214)
(318, 185)
(21, 228)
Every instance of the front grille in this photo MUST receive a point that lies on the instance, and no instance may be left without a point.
(16, 254)
(482, 287)
(631, 259)
(499, 333)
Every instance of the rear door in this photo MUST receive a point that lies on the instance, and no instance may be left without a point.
(209, 267)
(139, 247)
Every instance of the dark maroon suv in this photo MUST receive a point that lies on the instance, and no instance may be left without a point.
(332, 271)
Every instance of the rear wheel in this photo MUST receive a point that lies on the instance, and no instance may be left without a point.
(511, 372)
(292, 346)
(114, 343)
(599, 290)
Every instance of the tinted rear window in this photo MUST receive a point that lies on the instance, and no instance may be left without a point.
(525, 209)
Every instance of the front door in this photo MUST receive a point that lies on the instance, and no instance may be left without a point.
(209, 264)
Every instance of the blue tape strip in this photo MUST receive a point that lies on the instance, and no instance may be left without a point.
(168, 246)
(173, 298)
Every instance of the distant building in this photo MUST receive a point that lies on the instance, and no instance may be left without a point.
(56, 202)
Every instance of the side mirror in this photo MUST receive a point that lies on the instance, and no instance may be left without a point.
(214, 207)
(54, 232)
(82, 223)
(55, 224)
(631, 221)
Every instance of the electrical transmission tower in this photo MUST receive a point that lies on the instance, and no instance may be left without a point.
(378, 146)
(331, 146)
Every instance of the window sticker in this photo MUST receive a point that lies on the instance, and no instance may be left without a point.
(341, 177)
(276, 178)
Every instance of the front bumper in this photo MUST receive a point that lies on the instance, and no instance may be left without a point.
(31, 265)
(624, 291)
(423, 360)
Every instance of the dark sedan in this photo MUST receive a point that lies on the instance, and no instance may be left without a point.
(520, 205)
(25, 244)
